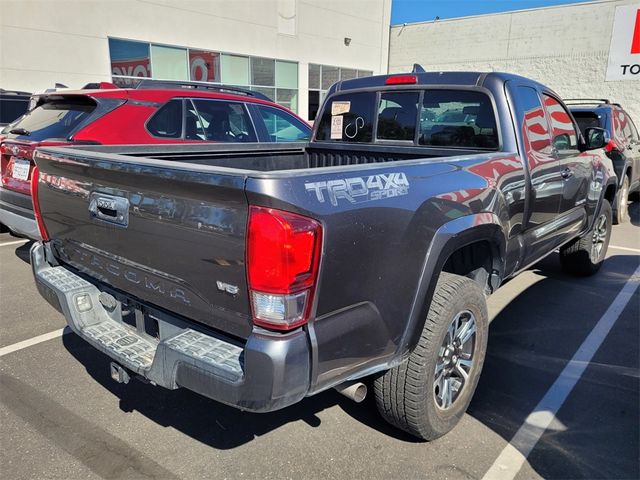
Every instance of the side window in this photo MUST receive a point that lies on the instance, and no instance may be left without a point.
(563, 132)
(348, 118)
(283, 127)
(167, 121)
(535, 128)
(221, 121)
(397, 115)
(458, 118)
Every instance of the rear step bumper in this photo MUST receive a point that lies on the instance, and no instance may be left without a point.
(269, 372)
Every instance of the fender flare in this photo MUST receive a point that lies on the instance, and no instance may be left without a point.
(447, 239)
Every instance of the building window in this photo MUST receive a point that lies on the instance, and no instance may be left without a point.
(129, 59)
(277, 79)
(169, 63)
(321, 77)
(204, 66)
(235, 70)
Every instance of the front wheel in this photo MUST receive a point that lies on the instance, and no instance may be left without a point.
(584, 256)
(427, 395)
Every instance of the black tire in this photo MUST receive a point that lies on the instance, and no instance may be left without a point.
(406, 394)
(579, 257)
(621, 211)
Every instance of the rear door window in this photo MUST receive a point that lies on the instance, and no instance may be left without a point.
(348, 118)
(397, 116)
(222, 121)
(457, 118)
(57, 118)
(167, 121)
(281, 126)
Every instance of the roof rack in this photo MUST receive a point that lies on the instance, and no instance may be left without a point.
(148, 84)
(586, 101)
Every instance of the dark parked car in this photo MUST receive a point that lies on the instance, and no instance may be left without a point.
(623, 146)
(257, 275)
(155, 112)
(13, 104)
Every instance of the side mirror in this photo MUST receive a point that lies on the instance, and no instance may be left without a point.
(595, 138)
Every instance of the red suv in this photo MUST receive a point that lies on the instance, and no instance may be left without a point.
(152, 113)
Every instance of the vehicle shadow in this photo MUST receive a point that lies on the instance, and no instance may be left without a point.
(634, 213)
(530, 342)
(22, 252)
(210, 422)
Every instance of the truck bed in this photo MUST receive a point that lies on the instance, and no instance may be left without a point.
(285, 156)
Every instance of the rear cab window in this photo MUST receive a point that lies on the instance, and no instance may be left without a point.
(430, 117)
(56, 118)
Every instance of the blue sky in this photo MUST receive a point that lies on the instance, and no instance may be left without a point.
(421, 10)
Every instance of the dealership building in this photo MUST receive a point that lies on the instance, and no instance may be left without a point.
(293, 50)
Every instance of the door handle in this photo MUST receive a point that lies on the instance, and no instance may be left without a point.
(567, 173)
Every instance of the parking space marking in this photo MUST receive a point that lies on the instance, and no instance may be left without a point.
(16, 242)
(513, 456)
(33, 341)
(636, 250)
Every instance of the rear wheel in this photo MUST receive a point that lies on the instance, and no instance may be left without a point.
(427, 395)
(621, 214)
(585, 256)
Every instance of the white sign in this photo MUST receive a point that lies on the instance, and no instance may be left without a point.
(336, 127)
(624, 52)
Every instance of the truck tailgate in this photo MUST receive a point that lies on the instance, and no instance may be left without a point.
(165, 233)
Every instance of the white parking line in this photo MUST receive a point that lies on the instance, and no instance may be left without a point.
(515, 454)
(636, 250)
(33, 341)
(16, 242)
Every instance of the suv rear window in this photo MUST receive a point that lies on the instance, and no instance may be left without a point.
(444, 118)
(55, 118)
(588, 120)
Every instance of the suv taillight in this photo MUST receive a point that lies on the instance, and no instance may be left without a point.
(35, 178)
(283, 255)
(16, 153)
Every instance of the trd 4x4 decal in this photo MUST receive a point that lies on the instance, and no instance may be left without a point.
(361, 189)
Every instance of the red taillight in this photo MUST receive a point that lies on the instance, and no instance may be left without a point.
(401, 80)
(36, 204)
(283, 254)
(12, 153)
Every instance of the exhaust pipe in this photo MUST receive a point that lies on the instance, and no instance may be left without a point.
(356, 391)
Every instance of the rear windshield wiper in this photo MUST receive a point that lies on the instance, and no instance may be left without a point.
(20, 131)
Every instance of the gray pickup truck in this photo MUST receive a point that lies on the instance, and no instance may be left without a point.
(257, 275)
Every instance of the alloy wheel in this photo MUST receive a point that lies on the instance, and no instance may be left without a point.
(455, 359)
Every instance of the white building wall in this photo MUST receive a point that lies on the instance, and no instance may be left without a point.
(45, 41)
(565, 48)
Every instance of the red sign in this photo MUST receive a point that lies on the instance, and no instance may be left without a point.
(635, 42)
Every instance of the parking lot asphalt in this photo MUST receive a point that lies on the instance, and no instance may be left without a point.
(61, 415)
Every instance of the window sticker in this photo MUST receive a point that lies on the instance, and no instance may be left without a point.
(338, 108)
(336, 127)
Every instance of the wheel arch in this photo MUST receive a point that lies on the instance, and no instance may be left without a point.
(480, 239)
